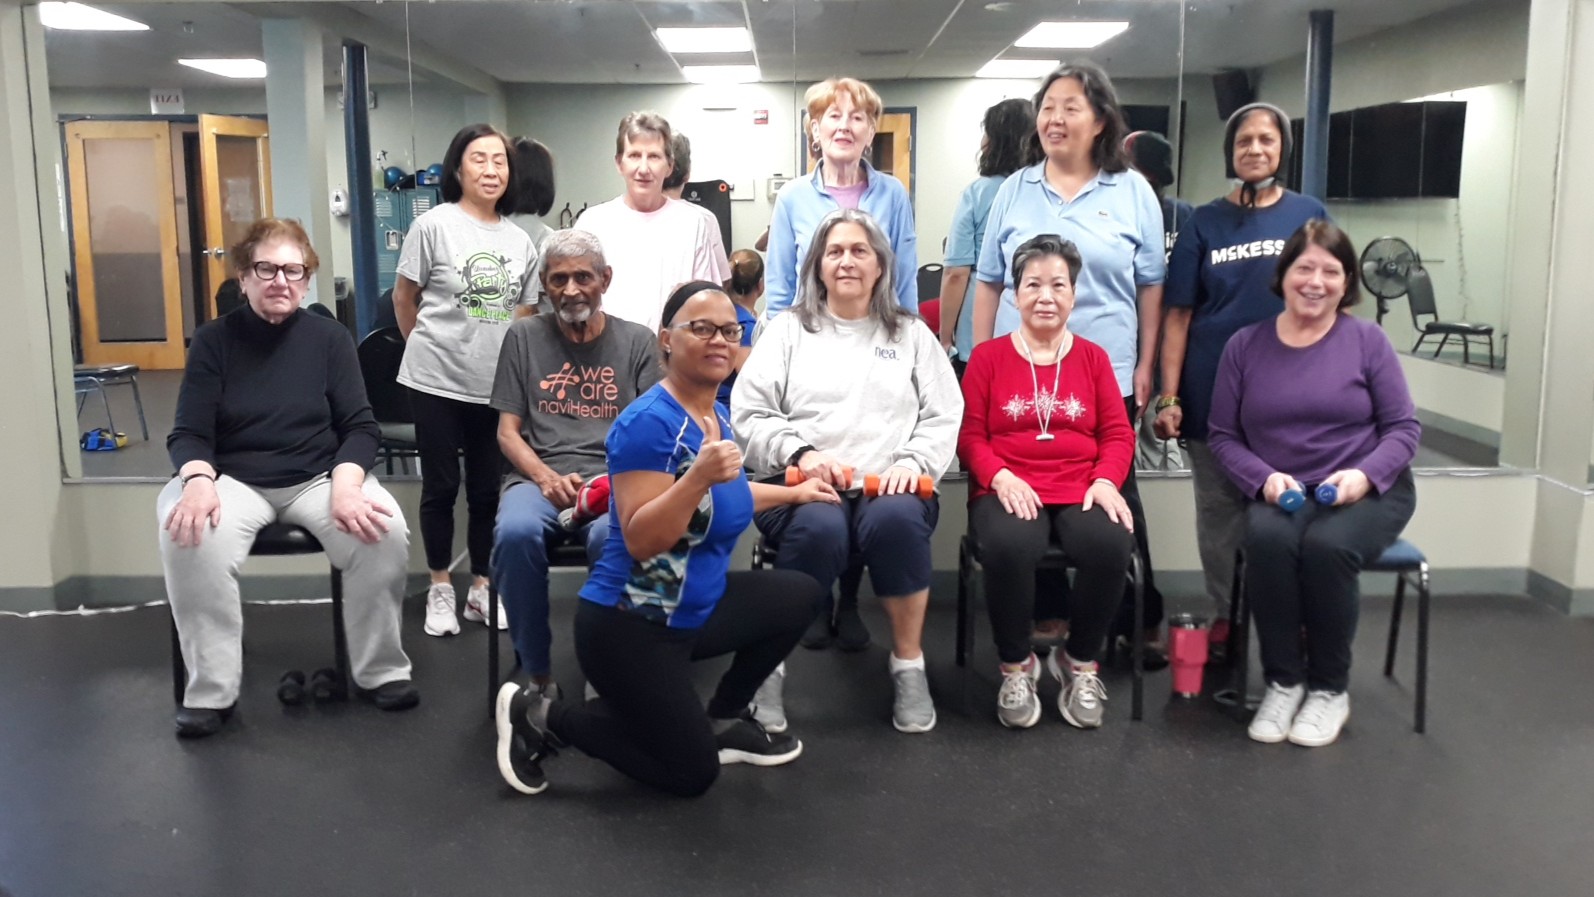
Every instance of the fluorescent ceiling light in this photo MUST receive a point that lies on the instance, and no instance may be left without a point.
(721, 74)
(228, 68)
(705, 40)
(77, 17)
(1016, 68)
(1071, 35)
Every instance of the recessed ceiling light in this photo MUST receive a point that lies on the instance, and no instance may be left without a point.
(1016, 68)
(77, 17)
(1071, 35)
(228, 68)
(721, 74)
(705, 40)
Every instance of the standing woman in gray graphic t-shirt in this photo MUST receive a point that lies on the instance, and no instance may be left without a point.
(464, 270)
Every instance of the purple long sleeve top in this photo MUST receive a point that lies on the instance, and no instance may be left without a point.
(1339, 403)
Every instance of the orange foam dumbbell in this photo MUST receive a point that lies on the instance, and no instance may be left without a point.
(794, 475)
(925, 490)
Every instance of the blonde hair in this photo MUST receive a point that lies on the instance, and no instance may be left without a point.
(823, 95)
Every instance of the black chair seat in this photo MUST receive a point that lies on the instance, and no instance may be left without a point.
(104, 371)
(567, 553)
(1458, 327)
(398, 435)
(278, 539)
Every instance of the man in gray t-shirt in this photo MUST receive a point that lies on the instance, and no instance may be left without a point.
(562, 380)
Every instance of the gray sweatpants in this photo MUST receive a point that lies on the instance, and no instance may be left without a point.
(202, 582)
(1220, 522)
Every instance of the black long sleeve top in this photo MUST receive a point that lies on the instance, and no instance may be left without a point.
(273, 404)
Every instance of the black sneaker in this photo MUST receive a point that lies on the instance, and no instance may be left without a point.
(521, 715)
(819, 635)
(201, 722)
(851, 634)
(748, 742)
(400, 694)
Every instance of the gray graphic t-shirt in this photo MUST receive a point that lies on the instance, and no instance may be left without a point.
(472, 275)
(567, 394)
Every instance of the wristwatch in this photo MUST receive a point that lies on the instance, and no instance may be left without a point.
(196, 476)
(1166, 402)
(798, 455)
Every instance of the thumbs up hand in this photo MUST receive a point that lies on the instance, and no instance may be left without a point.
(718, 460)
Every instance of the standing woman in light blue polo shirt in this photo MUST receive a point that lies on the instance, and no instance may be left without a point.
(842, 116)
(1079, 186)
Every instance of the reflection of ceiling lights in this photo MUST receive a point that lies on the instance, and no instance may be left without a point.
(1071, 35)
(721, 74)
(228, 68)
(77, 17)
(705, 40)
(1016, 68)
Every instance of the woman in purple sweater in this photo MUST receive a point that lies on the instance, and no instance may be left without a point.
(1313, 397)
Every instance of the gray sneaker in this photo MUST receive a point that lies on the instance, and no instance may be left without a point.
(912, 711)
(1017, 704)
(1083, 694)
(769, 703)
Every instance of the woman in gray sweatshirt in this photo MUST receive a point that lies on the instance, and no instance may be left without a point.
(846, 385)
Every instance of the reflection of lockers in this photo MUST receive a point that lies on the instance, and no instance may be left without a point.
(395, 211)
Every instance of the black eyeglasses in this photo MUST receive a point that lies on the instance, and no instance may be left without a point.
(705, 330)
(268, 271)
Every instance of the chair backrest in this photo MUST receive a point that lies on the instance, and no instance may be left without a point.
(931, 313)
(929, 282)
(380, 354)
(1419, 295)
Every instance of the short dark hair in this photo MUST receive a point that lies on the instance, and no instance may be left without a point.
(1038, 247)
(534, 165)
(1324, 233)
(1107, 153)
(681, 159)
(455, 157)
(636, 124)
(1007, 125)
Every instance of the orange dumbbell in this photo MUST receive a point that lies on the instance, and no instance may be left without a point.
(794, 475)
(926, 489)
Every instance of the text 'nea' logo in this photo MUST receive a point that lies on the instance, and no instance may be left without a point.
(887, 354)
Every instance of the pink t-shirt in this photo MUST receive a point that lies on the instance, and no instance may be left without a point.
(847, 197)
(652, 252)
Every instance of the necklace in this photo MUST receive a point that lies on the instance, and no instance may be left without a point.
(1044, 408)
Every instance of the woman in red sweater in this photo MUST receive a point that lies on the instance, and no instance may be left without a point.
(1046, 443)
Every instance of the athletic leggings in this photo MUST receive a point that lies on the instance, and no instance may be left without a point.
(445, 428)
(649, 722)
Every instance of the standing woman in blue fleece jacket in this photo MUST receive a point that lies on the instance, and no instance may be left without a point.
(843, 114)
(273, 425)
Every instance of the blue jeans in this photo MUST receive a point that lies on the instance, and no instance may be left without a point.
(527, 524)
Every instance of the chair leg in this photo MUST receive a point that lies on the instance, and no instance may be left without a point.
(1441, 348)
(1421, 725)
(1394, 624)
(492, 648)
(1240, 638)
(1138, 640)
(110, 423)
(1466, 351)
(1418, 344)
(179, 668)
(138, 402)
(1491, 351)
(340, 636)
(965, 561)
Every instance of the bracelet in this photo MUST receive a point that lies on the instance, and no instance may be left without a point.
(798, 455)
(196, 476)
(1167, 402)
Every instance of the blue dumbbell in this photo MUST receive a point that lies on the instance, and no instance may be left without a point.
(1291, 500)
(1327, 494)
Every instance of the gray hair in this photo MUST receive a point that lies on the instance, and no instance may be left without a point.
(636, 124)
(572, 244)
(812, 297)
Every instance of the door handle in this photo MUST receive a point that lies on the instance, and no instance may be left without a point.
(216, 252)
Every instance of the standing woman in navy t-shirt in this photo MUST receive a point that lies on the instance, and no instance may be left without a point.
(1220, 278)
(662, 594)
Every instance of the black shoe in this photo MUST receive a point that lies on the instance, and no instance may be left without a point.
(201, 722)
(819, 635)
(400, 694)
(521, 715)
(1152, 657)
(748, 742)
(851, 634)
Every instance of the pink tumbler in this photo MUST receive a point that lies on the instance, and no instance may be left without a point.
(1187, 652)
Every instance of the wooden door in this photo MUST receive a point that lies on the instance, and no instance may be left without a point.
(235, 183)
(892, 150)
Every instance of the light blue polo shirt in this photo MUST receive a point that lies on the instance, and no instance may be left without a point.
(1115, 221)
(963, 249)
(804, 202)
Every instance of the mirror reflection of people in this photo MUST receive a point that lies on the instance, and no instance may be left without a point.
(1046, 442)
(849, 379)
(464, 271)
(562, 380)
(1006, 126)
(534, 170)
(652, 242)
(675, 185)
(663, 594)
(1220, 280)
(273, 425)
(1151, 155)
(1350, 424)
(1079, 185)
(843, 114)
(745, 288)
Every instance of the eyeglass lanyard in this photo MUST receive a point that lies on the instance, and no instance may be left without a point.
(1045, 417)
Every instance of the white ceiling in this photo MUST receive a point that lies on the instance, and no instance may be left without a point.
(611, 40)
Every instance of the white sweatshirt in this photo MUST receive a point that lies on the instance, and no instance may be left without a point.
(850, 392)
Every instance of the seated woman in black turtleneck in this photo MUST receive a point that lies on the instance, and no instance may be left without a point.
(273, 425)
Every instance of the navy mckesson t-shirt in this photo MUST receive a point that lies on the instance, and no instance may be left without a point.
(1222, 266)
(680, 587)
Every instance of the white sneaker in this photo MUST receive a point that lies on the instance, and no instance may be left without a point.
(1320, 719)
(769, 702)
(1083, 694)
(476, 607)
(1271, 724)
(440, 619)
(1017, 704)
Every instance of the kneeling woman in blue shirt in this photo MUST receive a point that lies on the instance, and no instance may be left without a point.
(662, 594)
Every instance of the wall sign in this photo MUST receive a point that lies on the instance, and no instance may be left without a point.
(166, 101)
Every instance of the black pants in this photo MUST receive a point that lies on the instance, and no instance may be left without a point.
(1009, 550)
(649, 722)
(444, 429)
(1301, 571)
(1052, 598)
